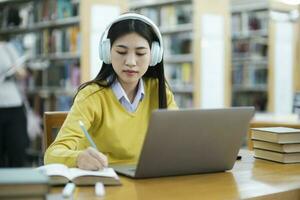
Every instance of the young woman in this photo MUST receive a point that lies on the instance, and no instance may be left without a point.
(115, 107)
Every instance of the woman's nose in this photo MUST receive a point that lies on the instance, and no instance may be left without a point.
(130, 59)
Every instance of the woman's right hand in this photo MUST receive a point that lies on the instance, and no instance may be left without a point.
(91, 159)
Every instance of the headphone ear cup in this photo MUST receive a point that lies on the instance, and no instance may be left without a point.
(104, 51)
(155, 53)
(101, 50)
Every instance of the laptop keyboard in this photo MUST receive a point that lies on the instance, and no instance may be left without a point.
(132, 169)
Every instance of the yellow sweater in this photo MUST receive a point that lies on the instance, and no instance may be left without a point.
(118, 134)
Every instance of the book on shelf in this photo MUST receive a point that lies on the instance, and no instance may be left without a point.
(64, 74)
(179, 43)
(152, 13)
(277, 134)
(238, 73)
(179, 74)
(236, 24)
(54, 42)
(64, 102)
(184, 100)
(64, 9)
(257, 20)
(60, 174)
(256, 98)
(283, 148)
(23, 183)
(277, 156)
(184, 13)
(51, 10)
(186, 73)
(172, 15)
(167, 16)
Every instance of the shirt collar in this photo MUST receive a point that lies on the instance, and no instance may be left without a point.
(120, 93)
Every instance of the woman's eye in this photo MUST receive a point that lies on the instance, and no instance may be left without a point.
(121, 52)
(140, 54)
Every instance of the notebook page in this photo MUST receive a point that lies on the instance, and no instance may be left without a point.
(55, 170)
(106, 172)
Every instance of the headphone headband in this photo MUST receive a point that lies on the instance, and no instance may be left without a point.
(137, 17)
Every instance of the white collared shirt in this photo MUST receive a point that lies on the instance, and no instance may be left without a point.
(9, 93)
(123, 98)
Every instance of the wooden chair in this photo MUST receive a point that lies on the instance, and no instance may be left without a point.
(52, 120)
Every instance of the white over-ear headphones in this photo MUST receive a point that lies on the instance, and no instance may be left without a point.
(156, 47)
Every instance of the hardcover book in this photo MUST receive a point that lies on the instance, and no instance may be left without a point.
(283, 148)
(280, 135)
(276, 156)
(23, 183)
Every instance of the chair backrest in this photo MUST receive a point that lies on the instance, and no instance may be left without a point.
(52, 120)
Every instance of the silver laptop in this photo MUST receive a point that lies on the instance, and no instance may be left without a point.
(191, 141)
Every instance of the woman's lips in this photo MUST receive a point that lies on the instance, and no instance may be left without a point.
(130, 72)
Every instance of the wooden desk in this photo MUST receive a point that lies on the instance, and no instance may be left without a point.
(249, 179)
(271, 120)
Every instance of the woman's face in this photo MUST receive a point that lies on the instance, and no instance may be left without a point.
(130, 56)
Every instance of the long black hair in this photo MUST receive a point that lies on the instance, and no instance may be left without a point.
(107, 75)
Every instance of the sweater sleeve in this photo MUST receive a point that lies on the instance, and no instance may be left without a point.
(70, 140)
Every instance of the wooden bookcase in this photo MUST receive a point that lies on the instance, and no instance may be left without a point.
(264, 55)
(212, 53)
(186, 32)
(297, 70)
(64, 37)
(62, 41)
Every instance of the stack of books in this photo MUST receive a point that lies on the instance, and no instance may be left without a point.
(23, 184)
(280, 144)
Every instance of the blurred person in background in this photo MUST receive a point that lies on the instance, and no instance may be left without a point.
(13, 123)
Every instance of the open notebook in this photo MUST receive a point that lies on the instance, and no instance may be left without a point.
(60, 174)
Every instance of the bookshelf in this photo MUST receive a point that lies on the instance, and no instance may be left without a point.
(57, 34)
(61, 38)
(49, 33)
(181, 27)
(297, 70)
(264, 36)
